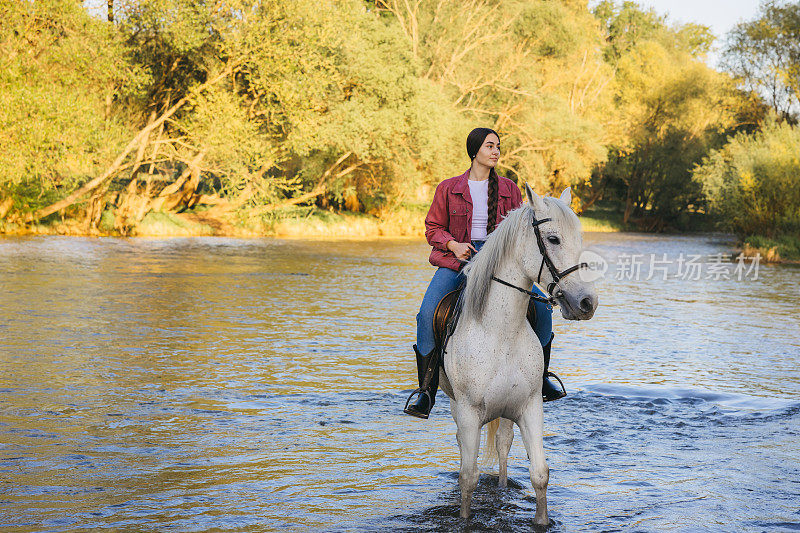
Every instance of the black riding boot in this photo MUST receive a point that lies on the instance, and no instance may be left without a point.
(428, 375)
(550, 391)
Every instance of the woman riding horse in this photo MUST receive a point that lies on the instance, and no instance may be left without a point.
(465, 210)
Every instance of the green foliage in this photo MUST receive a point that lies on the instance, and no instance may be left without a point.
(753, 182)
(106, 223)
(670, 110)
(529, 69)
(626, 25)
(175, 41)
(547, 27)
(59, 72)
(765, 55)
(787, 246)
(357, 104)
(235, 149)
(338, 81)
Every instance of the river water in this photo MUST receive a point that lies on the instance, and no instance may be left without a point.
(254, 385)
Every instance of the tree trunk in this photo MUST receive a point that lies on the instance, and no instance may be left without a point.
(628, 208)
(595, 196)
(115, 166)
(5, 207)
(94, 212)
(182, 192)
(111, 10)
(143, 145)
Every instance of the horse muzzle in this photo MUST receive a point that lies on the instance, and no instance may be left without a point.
(581, 307)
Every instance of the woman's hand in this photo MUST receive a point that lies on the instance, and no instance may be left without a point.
(462, 250)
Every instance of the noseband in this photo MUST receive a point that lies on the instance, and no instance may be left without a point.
(551, 267)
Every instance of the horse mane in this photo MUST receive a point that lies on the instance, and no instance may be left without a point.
(499, 245)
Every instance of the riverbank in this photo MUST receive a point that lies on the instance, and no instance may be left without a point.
(313, 223)
(406, 221)
(779, 249)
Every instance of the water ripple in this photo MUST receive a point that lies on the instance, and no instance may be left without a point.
(204, 384)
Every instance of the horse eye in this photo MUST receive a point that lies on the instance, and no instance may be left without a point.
(553, 239)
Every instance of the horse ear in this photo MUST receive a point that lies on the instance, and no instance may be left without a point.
(534, 200)
(566, 196)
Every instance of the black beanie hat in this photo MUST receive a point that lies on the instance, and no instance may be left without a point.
(475, 140)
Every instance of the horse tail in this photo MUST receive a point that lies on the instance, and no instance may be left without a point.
(490, 448)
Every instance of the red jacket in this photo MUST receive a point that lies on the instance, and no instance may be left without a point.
(450, 216)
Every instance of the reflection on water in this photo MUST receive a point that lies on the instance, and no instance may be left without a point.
(258, 384)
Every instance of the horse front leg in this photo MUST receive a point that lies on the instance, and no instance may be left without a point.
(468, 436)
(505, 436)
(531, 426)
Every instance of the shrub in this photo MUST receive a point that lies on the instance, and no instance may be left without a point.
(753, 182)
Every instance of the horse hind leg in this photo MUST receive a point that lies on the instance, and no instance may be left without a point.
(505, 436)
(468, 436)
(531, 426)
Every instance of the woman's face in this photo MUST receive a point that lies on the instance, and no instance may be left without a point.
(489, 152)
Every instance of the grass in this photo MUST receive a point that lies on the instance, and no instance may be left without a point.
(406, 221)
(160, 224)
(602, 219)
(773, 249)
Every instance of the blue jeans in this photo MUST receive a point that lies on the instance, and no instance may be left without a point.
(446, 280)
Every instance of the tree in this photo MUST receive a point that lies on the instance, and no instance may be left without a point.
(529, 69)
(765, 55)
(670, 109)
(260, 105)
(753, 182)
(335, 87)
(60, 71)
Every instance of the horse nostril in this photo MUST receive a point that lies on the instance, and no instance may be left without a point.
(586, 304)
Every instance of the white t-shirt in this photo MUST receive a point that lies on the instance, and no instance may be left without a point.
(479, 190)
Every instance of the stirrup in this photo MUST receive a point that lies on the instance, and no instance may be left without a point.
(549, 374)
(418, 414)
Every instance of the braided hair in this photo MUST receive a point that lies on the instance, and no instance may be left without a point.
(494, 185)
(474, 142)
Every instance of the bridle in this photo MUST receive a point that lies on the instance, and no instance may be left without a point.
(551, 267)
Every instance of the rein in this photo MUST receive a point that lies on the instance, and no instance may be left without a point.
(533, 295)
(551, 267)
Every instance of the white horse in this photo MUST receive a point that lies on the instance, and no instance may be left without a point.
(493, 360)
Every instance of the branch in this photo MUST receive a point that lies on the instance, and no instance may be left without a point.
(319, 189)
(115, 166)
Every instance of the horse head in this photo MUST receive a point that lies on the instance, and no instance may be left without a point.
(555, 233)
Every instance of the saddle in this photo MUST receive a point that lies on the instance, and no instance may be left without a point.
(445, 318)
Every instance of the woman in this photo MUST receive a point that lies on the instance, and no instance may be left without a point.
(465, 210)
